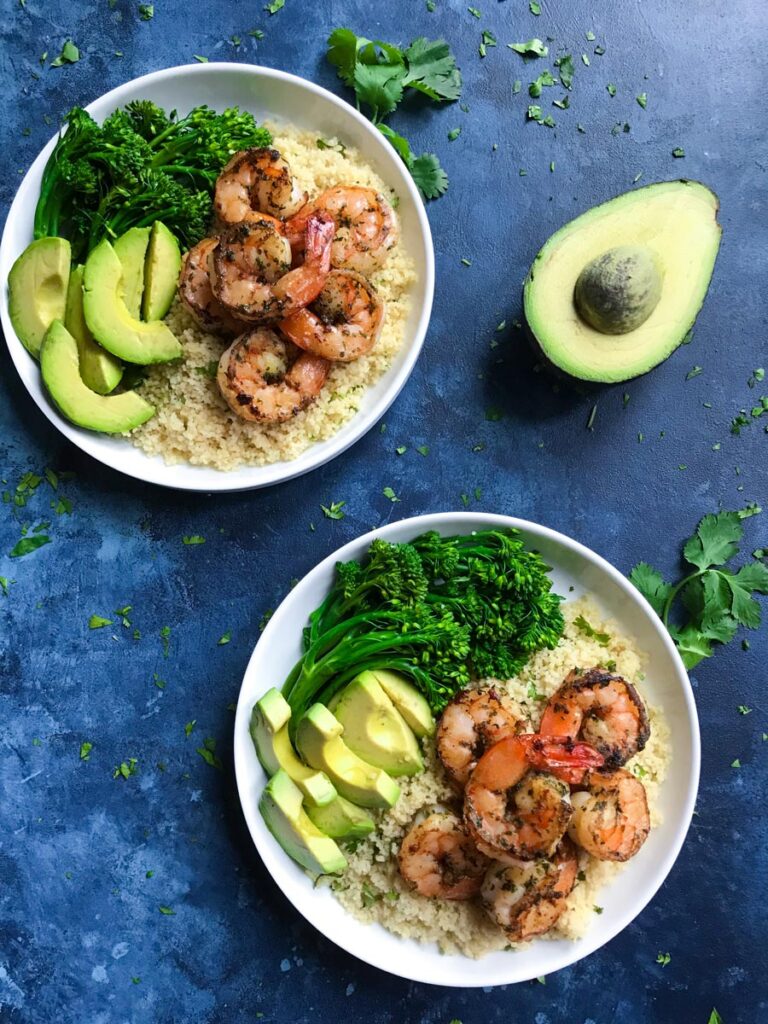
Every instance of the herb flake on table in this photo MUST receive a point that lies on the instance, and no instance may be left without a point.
(390, 495)
(85, 750)
(208, 753)
(678, 152)
(168, 911)
(70, 54)
(126, 769)
(274, 6)
(193, 540)
(98, 622)
(564, 66)
(717, 599)
(224, 639)
(663, 958)
(334, 511)
(532, 48)
(146, 12)
(26, 545)
(642, 99)
(487, 39)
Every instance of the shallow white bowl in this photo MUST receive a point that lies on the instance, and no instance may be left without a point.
(267, 94)
(666, 685)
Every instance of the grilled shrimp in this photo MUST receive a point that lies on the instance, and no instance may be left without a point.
(472, 722)
(602, 709)
(438, 859)
(511, 811)
(610, 818)
(260, 382)
(526, 900)
(366, 226)
(256, 181)
(250, 269)
(197, 295)
(344, 321)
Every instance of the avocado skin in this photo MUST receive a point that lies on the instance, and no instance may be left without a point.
(109, 414)
(617, 291)
(411, 704)
(110, 321)
(341, 819)
(281, 809)
(37, 290)
(677, 336)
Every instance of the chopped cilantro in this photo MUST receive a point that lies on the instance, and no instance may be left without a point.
(597, 910)
(165, 636)
(401, 449)
(601, 638)
(744, 709)
(642, 99)
(27, 545)
(678, 152)
(195, 538)
(167, 911)
(334, 511)
(545, 78)
(564, 66)
(85, 750)
(585, 60)
(591, 418)
(146, 11)
(663, 959)
(453, 134)
(532, 48)
(590, 36)
(208, 753)
(715, 1018)
(189, 727)
(98, 622)
(611, 89)
(736, 763)
(224, 639)
(465, 262)
(599, 50)
(274, 6)
(487, 39)
(390, 494)
(126, 769)
(4, 584)
(200, 58)
(534, 7)
(69, 55)
(694, 372)
(256, 33)
(474, 12)
(423, 449)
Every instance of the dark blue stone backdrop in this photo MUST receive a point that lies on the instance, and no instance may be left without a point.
(81, 935)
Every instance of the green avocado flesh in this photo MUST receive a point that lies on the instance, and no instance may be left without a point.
(161, 272)
(674, 224)
(341, 819)
(318, 738)
(60, 368)
(109, 319)
(411, 704)
(269, 732)
(131, 249)
(37, 290)
(374, 729)
(100, 371)
(302, 840)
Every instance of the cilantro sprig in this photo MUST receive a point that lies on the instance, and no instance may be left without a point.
(380, 75)
(716, 599)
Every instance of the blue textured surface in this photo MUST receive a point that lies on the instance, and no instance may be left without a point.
(81, 936)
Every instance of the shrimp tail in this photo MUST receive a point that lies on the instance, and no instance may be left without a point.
(562, 756)
(319, 236)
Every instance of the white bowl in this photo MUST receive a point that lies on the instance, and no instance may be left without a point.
(666, 684)
(267, 94)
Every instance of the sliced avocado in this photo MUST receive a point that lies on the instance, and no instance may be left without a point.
(318, 737)
(37, 290)
(131, 249)
(411, 704)
(281, 809)
(269, 732)
(374, 729)
(341, 819)
(110, 322)
(100, 371)
(671, 233)
(161, 273)
(59, 364)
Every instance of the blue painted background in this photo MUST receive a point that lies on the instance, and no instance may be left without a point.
(81, 935)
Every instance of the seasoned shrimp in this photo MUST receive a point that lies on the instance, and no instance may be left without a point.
(526, 900)
(472, 722)
(512, 811)
(197, 295)
(610, 818)
(260, 382)
(438, 859)
(568, 760)
(602, 709)
(344, 321)
(251, 275)
(256, 181)
(366, 226)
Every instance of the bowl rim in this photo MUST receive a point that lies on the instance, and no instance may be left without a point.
(272, 473)
(243, 749)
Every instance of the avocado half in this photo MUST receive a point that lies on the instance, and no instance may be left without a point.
(675, 223)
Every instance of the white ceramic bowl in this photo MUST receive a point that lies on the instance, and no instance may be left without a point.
(267, 94)
(666, 684)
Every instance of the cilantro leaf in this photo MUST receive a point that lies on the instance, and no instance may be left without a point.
(532, 48)
(564, 66)
(693, 647)
(98, 622)
(588, 630)
(651, 585)
(432, 69)
(85, 750)
(28, 544)
(208, 753)
(430, 178)
(70, 54)
(715, 1018)
(379, 86)
(715, 540)
(343, 46)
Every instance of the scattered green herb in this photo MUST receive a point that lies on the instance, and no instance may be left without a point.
(126, 769)
(208, 753)
(694, 372)
(564, 66)
(167, 911)
(642, 99)
(189, 727)
(717, 600)
(545, 78)
(678, 152)
(146, 11)
(611, 89)
(334, 511)
(274, 6)
(601, 638)
(192, 540)
(224, 639)
(663, 959)
(27, 545)
(85, 750)
(487, 39)
(531, 48)
(69, 55)
(390, 494)
(98, 622)
(453, 134)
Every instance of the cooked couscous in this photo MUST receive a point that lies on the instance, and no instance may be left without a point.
(372, 888)
(193, 422)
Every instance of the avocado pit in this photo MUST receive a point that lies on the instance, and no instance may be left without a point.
(618, 290)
